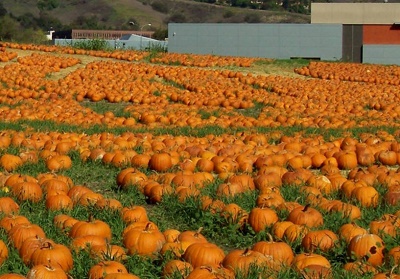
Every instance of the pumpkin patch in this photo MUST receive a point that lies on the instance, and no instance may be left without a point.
(127, 164)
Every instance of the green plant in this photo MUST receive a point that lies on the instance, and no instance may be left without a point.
(92, 44)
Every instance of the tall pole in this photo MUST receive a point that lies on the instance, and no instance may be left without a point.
(141, 34)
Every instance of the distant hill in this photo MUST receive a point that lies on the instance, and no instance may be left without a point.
(116, 14)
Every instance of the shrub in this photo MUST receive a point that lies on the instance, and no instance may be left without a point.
(160, 6)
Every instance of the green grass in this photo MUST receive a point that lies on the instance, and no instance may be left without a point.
(188, 214)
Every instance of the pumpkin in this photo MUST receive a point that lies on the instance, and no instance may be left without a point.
(145, 241)
(295, 232)
(103, 268)
(9, 221)
(234, 214)
(347, 210)
(198, 254)
(176, 267)
(12, 276)
(59, 202)
(367, 246)
(367, 196)
(24, 191)
(394, 255)
(350, 230)
(171, 235)
(10, 162)
(207, 271)
(304, 260)
(383, 228)
(280, 252)
(110, 204)
(392, 197)
(20, 232)
(306, 215)
(192, 236)
(271, 200)
(87, 242)
(77, 191)
(42, 271)
(261, 218)
(3, 252)
(8, 205)
(57, 254)
(240, 261)
(58, 162)
(347, 160)
(175, 249)
(91, 227)
(278, 229)
(119, 275)
(323, 240)
(316, 271)
(29, 246)
(160, 162)
(54, 184)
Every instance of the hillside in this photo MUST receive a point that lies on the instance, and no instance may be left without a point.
(116, 14)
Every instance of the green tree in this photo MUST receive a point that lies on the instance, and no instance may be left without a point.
(177, 18)
(46, 21)
(32, 36)
(240, 3)
(28, 20)
(9, 28)
(160, 34)
(92, 22)
(271, 5)
(3, 10)
(160, 6)
(47, 4)
(252, 18)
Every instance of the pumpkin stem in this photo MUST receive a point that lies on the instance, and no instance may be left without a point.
(271, 239)
(46, 245)
(49, 266)
(246, 252)
(148, 226)
(209, 268)
(306, 207)
(198, 231)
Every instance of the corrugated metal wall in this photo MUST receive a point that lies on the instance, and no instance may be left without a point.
(381, 54)
(387, 34)
(381, 44)
(352, 42)
(280, 41)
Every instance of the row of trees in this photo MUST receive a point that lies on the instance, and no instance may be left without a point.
(297, 6)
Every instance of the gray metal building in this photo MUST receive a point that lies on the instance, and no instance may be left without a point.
(282, 41)
(355, 32)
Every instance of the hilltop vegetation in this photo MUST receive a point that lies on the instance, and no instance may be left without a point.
(19, 17)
